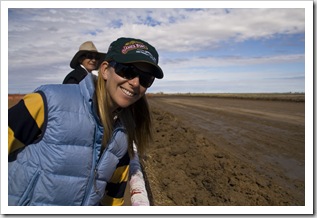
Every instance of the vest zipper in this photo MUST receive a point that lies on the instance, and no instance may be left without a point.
(92, 183)
(97, 166)
(95, 181)
(93, 178)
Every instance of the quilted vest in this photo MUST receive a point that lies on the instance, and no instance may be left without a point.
(65, 166)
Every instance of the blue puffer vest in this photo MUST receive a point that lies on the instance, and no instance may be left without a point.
(65, 166)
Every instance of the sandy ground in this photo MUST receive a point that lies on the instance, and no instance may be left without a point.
(215, 151)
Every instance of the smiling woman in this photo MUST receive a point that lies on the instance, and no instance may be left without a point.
(85, 132)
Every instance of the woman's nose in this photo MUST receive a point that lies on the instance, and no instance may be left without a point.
(135, 81)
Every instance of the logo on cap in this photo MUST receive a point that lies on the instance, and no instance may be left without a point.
(132, 45)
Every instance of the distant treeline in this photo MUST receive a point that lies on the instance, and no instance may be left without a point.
(296, 96)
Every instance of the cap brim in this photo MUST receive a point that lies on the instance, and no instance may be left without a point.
(157, 71)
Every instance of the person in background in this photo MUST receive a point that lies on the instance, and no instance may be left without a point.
(84, 61)
(70, 144)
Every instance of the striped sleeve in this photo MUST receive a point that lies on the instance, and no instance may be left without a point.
(116, 187)
(25, 121)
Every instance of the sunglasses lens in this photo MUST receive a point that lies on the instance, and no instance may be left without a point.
(92, 56)
(125, 71)
(146, 80)
(130, 72)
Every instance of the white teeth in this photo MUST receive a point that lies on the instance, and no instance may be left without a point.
(127, 92)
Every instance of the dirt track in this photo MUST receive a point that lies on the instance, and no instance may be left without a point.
(218, 151)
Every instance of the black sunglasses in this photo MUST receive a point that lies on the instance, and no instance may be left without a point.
(92, 56)
(129, 71)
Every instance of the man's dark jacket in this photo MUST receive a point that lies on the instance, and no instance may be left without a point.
(75, 76)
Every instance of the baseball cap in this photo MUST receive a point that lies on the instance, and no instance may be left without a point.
(130, 50)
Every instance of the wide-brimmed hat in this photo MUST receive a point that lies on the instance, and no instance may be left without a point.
(130, 50)
(84, 48)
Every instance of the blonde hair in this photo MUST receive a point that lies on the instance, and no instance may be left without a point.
(136, 119)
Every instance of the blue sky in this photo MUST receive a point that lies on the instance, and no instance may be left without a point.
(202, 49)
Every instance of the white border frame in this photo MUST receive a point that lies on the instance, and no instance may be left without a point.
(307, 209)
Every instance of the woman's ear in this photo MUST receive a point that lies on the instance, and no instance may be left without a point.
(103, 70)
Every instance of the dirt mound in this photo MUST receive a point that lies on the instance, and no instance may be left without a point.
(183, 168)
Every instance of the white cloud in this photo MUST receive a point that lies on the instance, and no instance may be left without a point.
(178, 29)
(40, 40)
(232, 61)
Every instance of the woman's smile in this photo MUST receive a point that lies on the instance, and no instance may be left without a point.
(127, 92)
